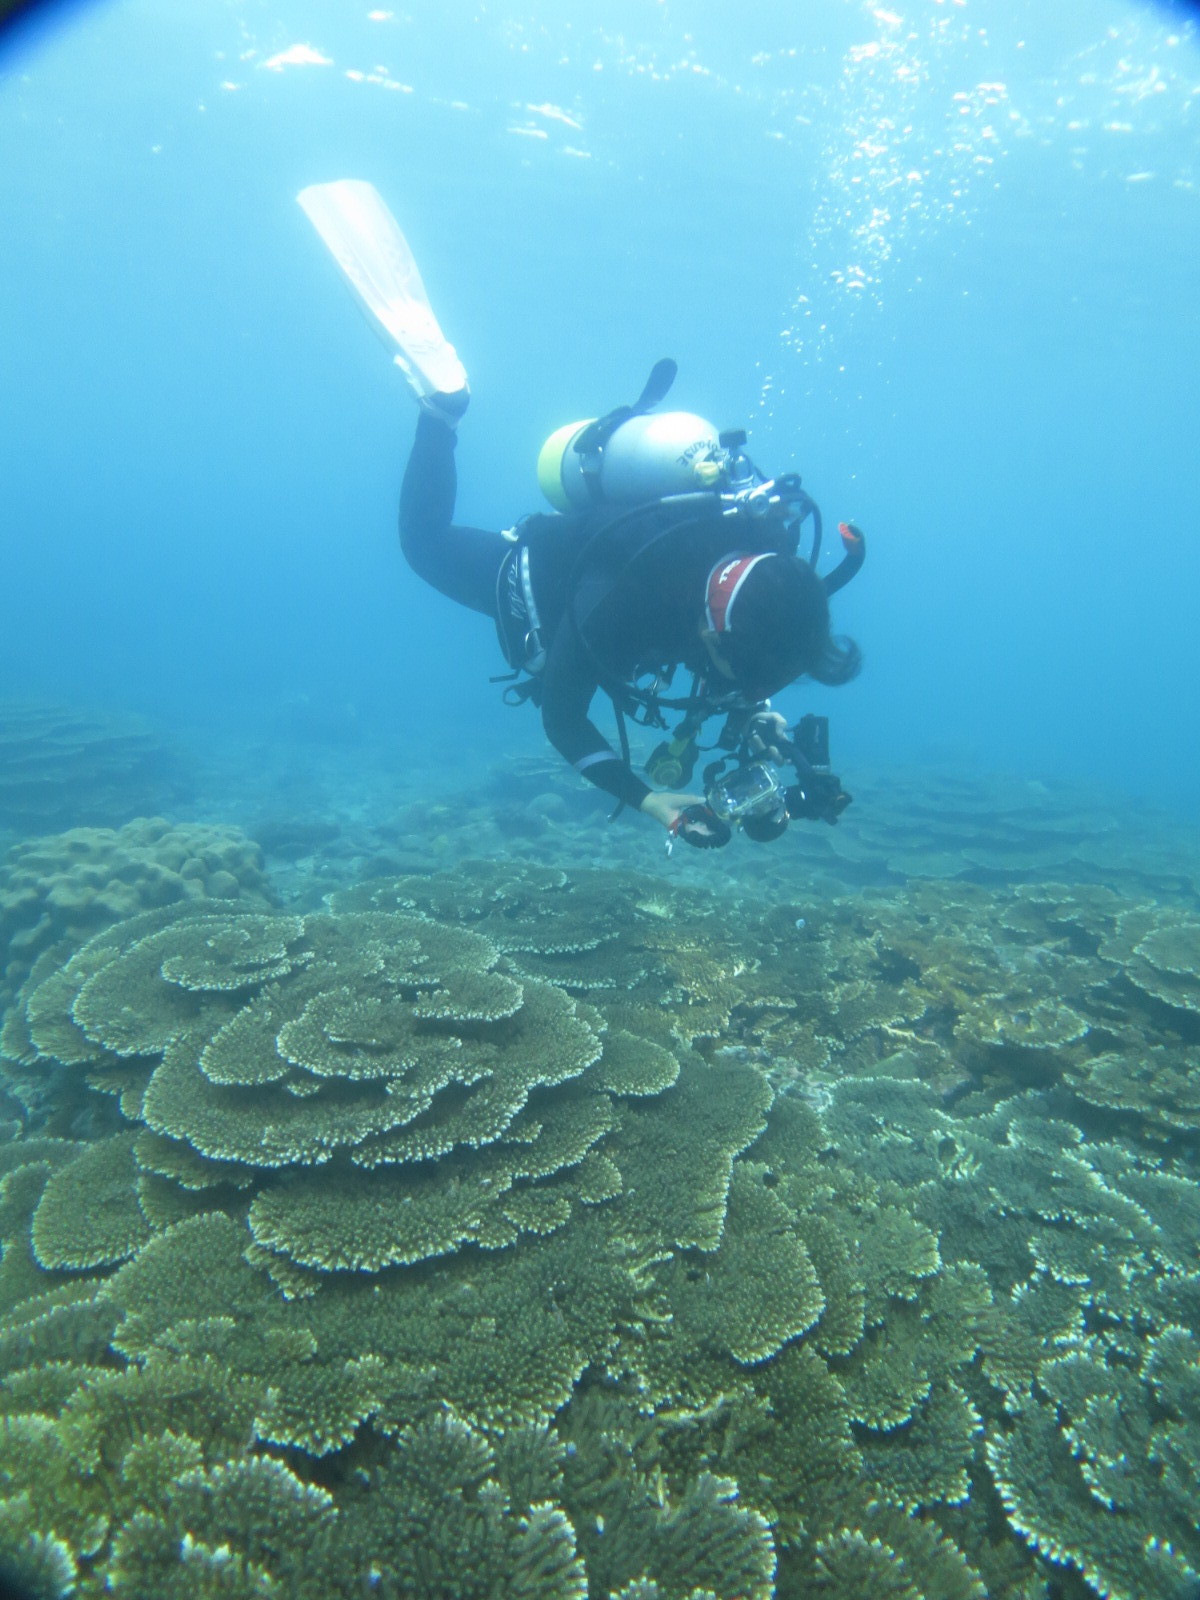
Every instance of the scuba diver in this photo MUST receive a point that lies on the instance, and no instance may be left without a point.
(667, 549)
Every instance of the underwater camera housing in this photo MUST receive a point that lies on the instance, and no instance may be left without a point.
(755, 797)
(751, 790)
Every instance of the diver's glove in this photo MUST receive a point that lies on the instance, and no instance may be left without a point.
(700, 826)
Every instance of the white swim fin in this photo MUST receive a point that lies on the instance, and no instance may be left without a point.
(366, 242)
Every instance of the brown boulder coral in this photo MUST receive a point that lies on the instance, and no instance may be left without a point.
(57, 891)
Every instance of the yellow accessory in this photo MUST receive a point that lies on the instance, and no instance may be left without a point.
(665, 766)
(550, 463)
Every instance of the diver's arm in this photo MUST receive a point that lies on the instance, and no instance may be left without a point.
(460, 562)
(568, 687)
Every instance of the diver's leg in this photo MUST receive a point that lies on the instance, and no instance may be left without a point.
(462, 563)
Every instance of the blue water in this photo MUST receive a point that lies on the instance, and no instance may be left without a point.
(940, 258)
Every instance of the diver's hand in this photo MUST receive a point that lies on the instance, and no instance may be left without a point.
(688, 817)
(767, 735)
(668, 808)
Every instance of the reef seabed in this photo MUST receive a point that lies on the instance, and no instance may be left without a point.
(533, 1232)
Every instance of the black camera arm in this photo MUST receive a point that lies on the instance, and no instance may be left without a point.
(817, 795)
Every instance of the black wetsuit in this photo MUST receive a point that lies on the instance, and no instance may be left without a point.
(639, 600)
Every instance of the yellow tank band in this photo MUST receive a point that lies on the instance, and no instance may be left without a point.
(550, 463)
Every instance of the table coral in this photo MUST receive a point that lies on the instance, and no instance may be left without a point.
(648, 1246)
(60, 765)
(88, 1215)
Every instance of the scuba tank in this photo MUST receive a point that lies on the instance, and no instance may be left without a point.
(641, 458)
(628, 456)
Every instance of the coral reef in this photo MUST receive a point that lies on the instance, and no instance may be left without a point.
(61, 767)
(519, 1231)
(931, 821)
